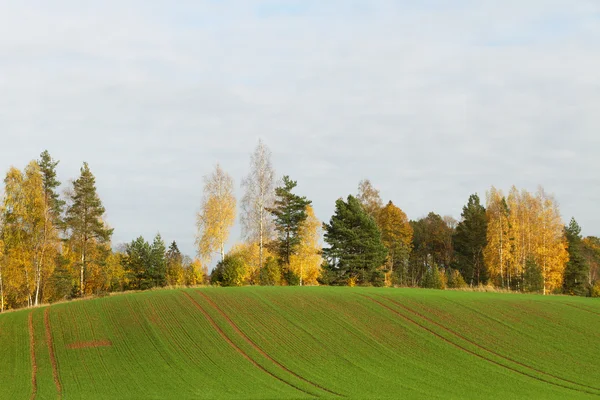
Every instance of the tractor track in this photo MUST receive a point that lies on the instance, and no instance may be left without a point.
(464, 349)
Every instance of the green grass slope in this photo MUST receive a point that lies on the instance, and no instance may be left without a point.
(296, 343)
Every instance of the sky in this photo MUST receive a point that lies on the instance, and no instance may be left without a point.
(430, 100)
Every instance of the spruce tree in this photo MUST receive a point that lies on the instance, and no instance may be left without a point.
(577, 269)
(356, 250)
(158, 262)
(289, 213)
(84, 221)
(469, 242)
(51, 184)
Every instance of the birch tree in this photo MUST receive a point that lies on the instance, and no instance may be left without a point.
(497, 253)
(217, 214)
(306, 261)
(259, 186)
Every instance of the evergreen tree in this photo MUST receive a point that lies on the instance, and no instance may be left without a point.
(356, 250)
(51, 184)
(84, 220)
(289, 213)
(533, 276)
(470, 241)
(577, 269)
(137, 264)
(158, 262)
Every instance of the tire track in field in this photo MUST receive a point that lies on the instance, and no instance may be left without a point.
(51, 352)
(581, 308)
(486, 349)
(238, 349)
(33, 362)
(260, 350)
(466, 350)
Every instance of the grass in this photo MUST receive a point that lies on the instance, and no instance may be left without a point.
(292, 343)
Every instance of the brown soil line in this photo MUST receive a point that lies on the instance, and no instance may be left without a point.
(51, 351)
(484, 348)
(261, 351)
(33, 362)
(473, 353)
(91, 344)
(239, 350)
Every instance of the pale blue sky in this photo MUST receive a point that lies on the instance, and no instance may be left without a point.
(431, 100)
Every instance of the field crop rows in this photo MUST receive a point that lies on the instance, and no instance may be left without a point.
(303, 343)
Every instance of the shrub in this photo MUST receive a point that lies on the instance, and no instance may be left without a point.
(270, 273)
(455, 279)
(432, 279)
(229, 272)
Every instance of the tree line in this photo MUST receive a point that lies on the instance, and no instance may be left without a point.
(57, 246)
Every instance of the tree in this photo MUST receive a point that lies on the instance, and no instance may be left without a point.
(497, 253)
(396, 235)
(575, 280)
(533, 276)
(433, 279)
(550, 242)
(469, 241)
(591, 252)
(51, 183)
(369, 198)
(174, 260)
(259, 185)
(84, 219)
(137, 262)
(158, 262)
(356, 250)
(306, 262)
(432, 245)
(217, 214)
(229, 272)
(289, 212)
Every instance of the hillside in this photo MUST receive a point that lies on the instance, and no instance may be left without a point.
(291, 342)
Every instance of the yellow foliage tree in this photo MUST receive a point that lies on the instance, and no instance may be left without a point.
(306, 263)
(250, 254)
(551, 247)
(217, 214)
(497, 254)
(396, 235)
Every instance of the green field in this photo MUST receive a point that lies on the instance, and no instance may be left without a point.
(292, 342)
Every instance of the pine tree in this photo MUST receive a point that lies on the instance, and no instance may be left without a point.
(356, 250)
(158, 262)
(469, 242)
(84, 220)
(577, 269)
(289, 212)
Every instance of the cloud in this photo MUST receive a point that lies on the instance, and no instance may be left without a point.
(432, 102)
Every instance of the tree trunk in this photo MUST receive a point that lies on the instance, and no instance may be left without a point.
(82, 270)
(222, 251)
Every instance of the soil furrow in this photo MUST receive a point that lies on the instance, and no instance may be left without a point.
(51, 351)
(486, 349)
(33, 362)
(260, 350)
(238, 349)
(476, 354)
